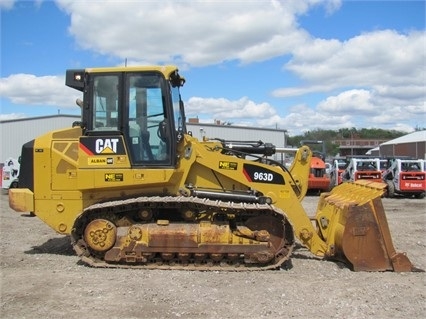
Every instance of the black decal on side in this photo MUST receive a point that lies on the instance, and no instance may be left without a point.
(258, 174)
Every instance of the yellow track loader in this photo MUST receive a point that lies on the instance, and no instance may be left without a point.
(133, 188)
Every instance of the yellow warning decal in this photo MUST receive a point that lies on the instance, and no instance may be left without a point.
(228, 165)
(114, 177)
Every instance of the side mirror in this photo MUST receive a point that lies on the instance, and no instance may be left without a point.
(162, 131)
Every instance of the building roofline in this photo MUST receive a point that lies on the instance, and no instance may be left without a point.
(187, 123)
(413, 137)
(236, 126)
(40, 118)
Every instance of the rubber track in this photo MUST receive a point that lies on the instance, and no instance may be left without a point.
(119, 206)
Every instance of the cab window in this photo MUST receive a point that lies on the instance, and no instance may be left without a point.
(147, 133)
(105, 103)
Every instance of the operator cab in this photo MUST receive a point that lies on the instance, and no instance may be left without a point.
(137, 103)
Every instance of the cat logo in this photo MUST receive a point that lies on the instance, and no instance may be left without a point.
(106, 146)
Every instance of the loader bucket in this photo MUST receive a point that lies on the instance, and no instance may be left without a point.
(352, 221)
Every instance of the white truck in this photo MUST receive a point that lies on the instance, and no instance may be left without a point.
(10, 173)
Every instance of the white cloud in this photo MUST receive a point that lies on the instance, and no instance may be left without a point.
(7, 4)
(224, 109)
(28, 89)
(197, 33)
(302, 118)
(300, 90)
(376, 58)
(408, 92)
(375, 78)
(348, 102)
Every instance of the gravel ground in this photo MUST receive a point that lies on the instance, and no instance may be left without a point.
(42, 278)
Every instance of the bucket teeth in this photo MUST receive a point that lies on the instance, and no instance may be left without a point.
(352, 221)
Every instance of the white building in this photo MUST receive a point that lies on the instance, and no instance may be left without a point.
(15, 133)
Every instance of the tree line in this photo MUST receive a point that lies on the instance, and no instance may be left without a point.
(328, 136)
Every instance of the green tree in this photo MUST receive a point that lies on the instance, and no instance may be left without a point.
(328, 136)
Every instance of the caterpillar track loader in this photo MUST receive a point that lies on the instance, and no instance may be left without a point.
(133, 188)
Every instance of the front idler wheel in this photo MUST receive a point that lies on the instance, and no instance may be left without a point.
(100, 235)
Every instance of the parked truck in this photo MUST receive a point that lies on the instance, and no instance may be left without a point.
(10, 173)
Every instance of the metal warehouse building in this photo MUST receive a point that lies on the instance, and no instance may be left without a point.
(413, 145)
(15, 133)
